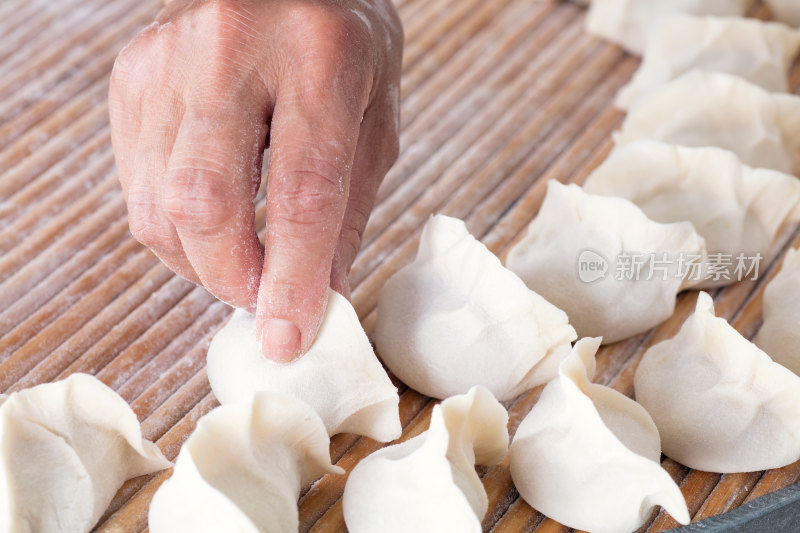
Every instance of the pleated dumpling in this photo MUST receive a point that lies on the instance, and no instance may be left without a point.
(589, 457)
(65, 450)
(428, 483)
(760, 52)
(614, 271)
(786, 11)
(736, 209)
(779, 336)
(455, 318)
(629, 22)
(720, 403)
(339, 376)
(242, 469)
(716, 109)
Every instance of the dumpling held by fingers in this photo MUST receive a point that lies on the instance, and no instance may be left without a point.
(339, 376)
(779, 336)
(65, 450)
(614, 271)
(455, 318)
(719, 402)
(716, 109)
(759, 52)
(630, 22)
(428, 483)
(242, 469)
(589, 457)
(735, 208)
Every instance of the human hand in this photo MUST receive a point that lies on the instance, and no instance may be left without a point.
(195, 99)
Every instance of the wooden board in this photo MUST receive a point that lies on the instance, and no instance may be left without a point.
(499, 97)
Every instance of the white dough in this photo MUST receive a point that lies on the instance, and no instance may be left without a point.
(428, 483)
(737, 209)
(787, 11)
(760, 52)
(242, 469)
(339, 376)
(630, 22)
(455, 318)
(65, 449)
(573, 226)
(720, 403)
(716, 109)
(589, 457)
(779, 336)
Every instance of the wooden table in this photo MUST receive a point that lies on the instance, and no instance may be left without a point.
(498, 97)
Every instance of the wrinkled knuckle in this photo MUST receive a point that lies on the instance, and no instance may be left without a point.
(314, 199)
(328, 35)
(144, 229)
(197, 201)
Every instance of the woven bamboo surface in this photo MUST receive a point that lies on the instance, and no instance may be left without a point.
(498, 97)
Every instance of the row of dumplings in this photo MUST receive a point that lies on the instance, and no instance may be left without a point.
(716, 147)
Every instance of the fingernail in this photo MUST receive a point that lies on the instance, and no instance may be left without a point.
(280, 340)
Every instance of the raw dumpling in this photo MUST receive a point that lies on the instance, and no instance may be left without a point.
(736, 209)
(716, 109)
(428, 483)
(65, 449)
(614, 271)
(630, 22)
(760, 52)
(455, 318)
(242, 469)
(614, 487)
(339, 376)
(720, 403)
(779, 336)
(787, 11)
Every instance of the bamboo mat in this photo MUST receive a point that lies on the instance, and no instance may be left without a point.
(498, 97)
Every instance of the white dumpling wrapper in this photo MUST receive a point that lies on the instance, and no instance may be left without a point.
(339, 376)
(455, 318)
(735, 208)
(429, 483)
(760, 52)
(572, 224)
(719, 402)
(67, 447)
(629, 22)
(786, 11)
(779, 335)
(716, 109)
(589, 457)
(243, 467)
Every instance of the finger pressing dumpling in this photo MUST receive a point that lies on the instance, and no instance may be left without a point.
(614, 271)
(339, 376)
(455, 318)
(720, 403)
(588, 456)
(428, 483)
